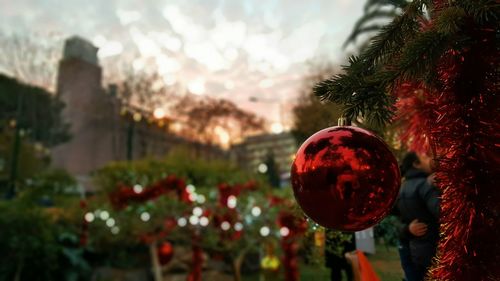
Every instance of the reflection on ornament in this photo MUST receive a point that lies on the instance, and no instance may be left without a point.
(345, 178)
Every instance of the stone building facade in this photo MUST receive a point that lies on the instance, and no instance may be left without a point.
(254, 151)
(100, 133)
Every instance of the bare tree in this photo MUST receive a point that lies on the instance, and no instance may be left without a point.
(31, 58)
(216, 121)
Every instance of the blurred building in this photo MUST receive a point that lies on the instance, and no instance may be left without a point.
(100, 130)
(254, 153)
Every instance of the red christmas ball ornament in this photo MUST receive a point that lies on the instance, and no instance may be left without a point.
(345, 178)
(165, 253)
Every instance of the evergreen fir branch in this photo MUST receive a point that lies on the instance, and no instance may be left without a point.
(482, 10)
(449, 20)
(420, 56)
(393, 35)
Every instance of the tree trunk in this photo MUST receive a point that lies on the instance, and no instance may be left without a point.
(153, 250)
(19, 269)
(237, 263)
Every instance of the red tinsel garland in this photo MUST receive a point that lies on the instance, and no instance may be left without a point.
(458, 117)
(469, 166)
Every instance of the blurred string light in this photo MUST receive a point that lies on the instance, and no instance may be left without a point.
(232, 202)
(89, 217)
(225, 225)
(238, 226)
(159, 113)
(197, 211)
(137, 117)
(200, 199)
(110, 222)
(256, 211)
(190, 188)
(284, 231)
(193, 197)
(182, 222)
(262, 168)
(194, 220)
(115, 230)
(145, 216)
(277, 128)
(104, 215)
(204, 221)
(138, 188)
(264, 231)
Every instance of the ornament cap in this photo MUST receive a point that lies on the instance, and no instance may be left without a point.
(343, 121)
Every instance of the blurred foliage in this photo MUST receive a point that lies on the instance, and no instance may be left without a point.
(34, 110)
(39, 242)
(389, 230)
(28, 243)
(32, 158)
(50, 187)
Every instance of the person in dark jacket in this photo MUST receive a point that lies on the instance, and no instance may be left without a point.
(418, 208)
(338, 263)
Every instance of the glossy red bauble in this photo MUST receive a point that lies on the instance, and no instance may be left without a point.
(165, 253)
(345, 178)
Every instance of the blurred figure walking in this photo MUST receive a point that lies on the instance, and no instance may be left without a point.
(418, 208)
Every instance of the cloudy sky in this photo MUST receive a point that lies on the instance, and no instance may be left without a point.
(235, 49)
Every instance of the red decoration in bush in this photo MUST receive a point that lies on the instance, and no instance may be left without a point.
(165, 252)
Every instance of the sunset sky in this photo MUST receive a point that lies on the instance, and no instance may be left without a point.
(235, 49)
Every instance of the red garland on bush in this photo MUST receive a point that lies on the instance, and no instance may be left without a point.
(460, 118)
(84, 235)
(296, 228)
(230, 216)
(226, 190)
(125, 195)
(197, 258)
